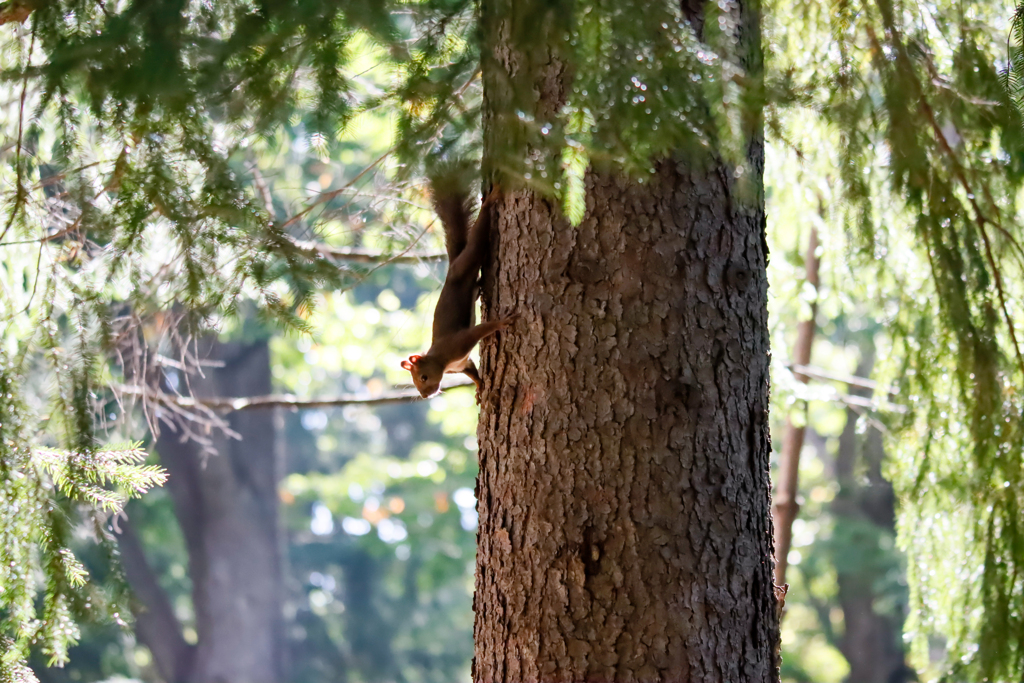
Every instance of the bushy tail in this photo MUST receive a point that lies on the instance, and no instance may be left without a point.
(449, 186)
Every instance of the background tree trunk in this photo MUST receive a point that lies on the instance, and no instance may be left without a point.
(623, 492)
(226, 504)
(786, 504)
(865, 508)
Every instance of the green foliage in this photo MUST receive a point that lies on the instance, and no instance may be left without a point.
(925, 145)
(397, 484)
(41, 580)
(142, 207)
(135, 218)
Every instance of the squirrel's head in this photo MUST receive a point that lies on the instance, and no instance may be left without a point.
(426, 374)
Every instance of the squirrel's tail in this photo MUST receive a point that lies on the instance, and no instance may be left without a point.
(449, 187)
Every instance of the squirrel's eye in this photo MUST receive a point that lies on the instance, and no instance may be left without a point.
(423, 378)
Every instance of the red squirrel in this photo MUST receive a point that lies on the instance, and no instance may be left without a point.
(454, 334)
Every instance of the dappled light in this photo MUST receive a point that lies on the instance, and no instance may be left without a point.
(513, 341)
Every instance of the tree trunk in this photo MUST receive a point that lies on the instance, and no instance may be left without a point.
(786, 501)
(623, 492)
(226, 504)
(866, 504)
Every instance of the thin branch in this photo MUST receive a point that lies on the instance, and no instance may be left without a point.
(864, 402)
(851, 400)
(20, 192)
(821, 373)
(350, 254)
(72, 225)
(273, 400)
(981, 220)
(357, 255)
(328, 196)
(261, 187)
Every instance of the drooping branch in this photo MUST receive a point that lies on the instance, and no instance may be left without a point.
(959, 173)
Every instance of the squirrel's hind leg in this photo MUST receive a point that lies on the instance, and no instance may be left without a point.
(471, 372)
(474, 374)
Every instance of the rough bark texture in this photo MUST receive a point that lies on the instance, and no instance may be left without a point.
(624, 509)
(226, 504)
(625, 530)
(623, 493)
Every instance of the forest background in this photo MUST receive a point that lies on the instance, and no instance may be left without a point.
(332, 280)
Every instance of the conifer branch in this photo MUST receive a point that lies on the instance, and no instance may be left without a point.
(350, 254)
(328, 196)
(981, 220)
(958, 172)
(20, 192)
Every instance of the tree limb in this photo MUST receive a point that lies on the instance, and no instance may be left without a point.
(815, 372)
(273, 400)
(357, 255)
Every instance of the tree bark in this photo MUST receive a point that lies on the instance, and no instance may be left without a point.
(226, 504)
(625, 532)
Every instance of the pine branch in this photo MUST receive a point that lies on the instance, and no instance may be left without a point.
(980, 218)
(274, 400)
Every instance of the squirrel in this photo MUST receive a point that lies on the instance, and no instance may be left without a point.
(454, 334)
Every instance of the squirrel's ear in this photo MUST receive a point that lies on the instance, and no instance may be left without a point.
(406, 365)
(413, 360)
